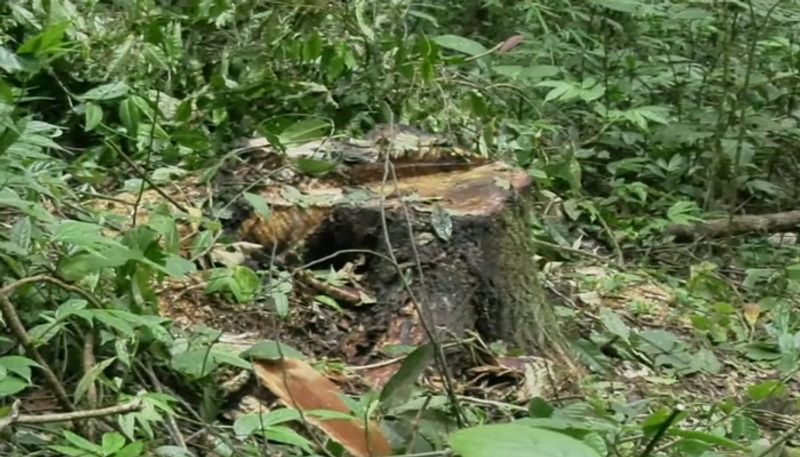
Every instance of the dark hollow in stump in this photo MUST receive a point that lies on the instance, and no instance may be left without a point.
(482, 278)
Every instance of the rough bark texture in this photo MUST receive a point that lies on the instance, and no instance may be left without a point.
(483, 278)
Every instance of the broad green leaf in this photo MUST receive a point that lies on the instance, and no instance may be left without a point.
(21, 234)
(707, 438)
(78, 266)
(460, 44)
(539, 71)
(315, 167)
(129, 115)
(766, 390)
(108, 91)
(195, 362)
(89, 378)
(281, 302)
(112, 442)
(259, 204)
(9, 61)
(615, 324)
(82, 443)
(361, 20)
(202, 243)
(399, 387)
(684, 212)
(622, 6)
(134, 449)
(286, 435)
(173, 451)
(71, 451)
(93, 116)
(247, 424)
(304, 131)
(12, 385)
(48, 40)
(20, 366)
(269, 350)
(514, 440)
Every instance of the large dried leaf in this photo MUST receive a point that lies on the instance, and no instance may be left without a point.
(299, 386)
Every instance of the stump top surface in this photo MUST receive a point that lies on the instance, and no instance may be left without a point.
(482, 190)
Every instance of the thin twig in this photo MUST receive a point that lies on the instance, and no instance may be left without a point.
(28, 419)
(415, 426)
(143, 175)
(780, 440)
(422, 309)
(149, 156)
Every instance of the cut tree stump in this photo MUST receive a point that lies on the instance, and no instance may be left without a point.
(482, 277)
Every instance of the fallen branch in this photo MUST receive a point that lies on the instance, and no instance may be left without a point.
(15, 418)
(738, 225)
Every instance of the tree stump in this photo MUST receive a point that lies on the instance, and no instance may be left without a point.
(481, 277)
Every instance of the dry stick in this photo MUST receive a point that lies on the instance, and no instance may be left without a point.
(418, 307)
(661, 431)
(89, 361)
(415, 427)
(28, 419)
(172, 425)
(143, 174)
(781, 440)
(18, 329)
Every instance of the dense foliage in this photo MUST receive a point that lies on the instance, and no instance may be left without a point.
(631, 115)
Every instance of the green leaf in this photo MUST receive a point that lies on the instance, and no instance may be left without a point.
(767, 390)
(108, 91)
(9, 61)
(47, 41)
(259, 204)
(315, 167)
(21, 234)
(129, 115)
(89, 378)
(78, 266)
(460, 44)
(513, 440)
(93, 116)
(287, 436)
(195, 362)
(399, 387)
(614, 324)
(134, 449)
(12, 385)
(247, 424)
(173, 451)
(268, 350)
(20, 366)
(82, 443)
(304, 131)
(707, 438)
(281, 302)
(71, 451)
(361, 21)
(112, 442)
(622, 6)
(684, 212)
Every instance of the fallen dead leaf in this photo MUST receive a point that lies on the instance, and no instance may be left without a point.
(300, 386)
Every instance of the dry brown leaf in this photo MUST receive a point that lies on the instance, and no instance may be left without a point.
(300, 386)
